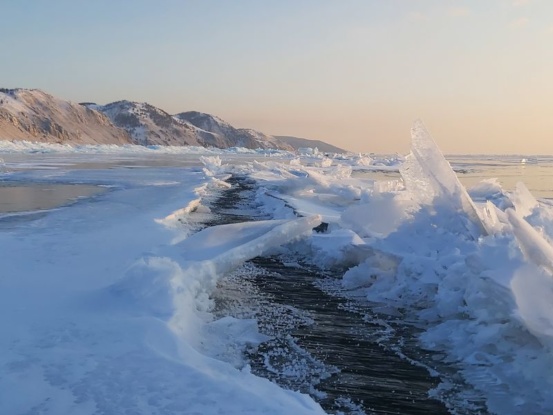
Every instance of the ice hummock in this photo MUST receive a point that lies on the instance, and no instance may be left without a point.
(475, 279)
(479, 298)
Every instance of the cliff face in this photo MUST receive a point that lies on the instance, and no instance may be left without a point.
(33, 115)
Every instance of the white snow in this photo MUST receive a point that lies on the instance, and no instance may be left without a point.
(13, 105)
(106, 306)
(102, 313)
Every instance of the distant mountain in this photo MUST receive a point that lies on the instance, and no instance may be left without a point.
(31, 114)
(233, 137)
(298, 143)
(149, 125)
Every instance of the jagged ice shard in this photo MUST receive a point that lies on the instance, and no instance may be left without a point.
(432, 181)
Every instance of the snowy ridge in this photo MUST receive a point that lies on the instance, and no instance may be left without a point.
(149, 125)
(31, 114)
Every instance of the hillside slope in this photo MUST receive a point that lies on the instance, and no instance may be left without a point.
(149, 125)
(233, 137)
(34, 115)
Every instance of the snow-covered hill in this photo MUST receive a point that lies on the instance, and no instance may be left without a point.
(33, 115)
(149, 125)
(233, 137)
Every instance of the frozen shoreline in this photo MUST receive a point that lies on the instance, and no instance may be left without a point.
(102, 301)
(100, 314)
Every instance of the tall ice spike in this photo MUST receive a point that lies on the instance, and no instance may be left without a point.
(429, 176)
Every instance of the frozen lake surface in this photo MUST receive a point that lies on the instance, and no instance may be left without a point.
(198, 281)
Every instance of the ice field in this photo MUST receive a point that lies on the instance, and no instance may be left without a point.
(107, 307)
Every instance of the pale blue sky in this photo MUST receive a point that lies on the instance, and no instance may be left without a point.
(354, 72)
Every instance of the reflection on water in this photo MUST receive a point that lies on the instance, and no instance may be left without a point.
(43, 196)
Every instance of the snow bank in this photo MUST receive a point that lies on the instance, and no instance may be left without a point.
(178, 285)
(106, 310)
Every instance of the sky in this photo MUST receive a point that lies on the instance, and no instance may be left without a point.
(354, 73)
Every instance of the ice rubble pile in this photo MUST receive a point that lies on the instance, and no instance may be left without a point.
(477, 276)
